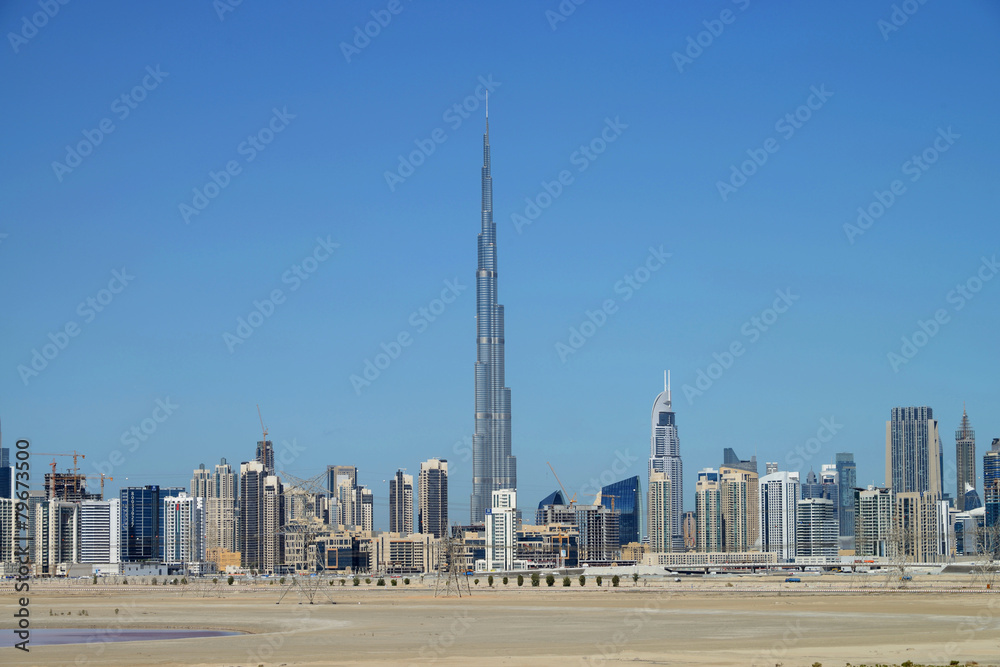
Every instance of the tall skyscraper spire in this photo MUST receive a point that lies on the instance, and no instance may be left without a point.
(665, 457)
(965, 458)
(493, 466)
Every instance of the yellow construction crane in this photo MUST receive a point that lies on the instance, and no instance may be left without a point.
(569, 501)
(262, 427)
(102, 477)
(52, 480)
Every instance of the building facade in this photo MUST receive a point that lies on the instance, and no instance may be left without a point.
(625, 498)
(184, 528)
(816, 530)
(432, 513)
(100, 531)
(665, 457)
(661, 504)
(708, 511)
(401, 503)
(913, 459)
(847, 473)
(965, 458)
(779, 497)
(740, 497)
(873, 511)
(501, 531)
(142, 521)
(493, 465)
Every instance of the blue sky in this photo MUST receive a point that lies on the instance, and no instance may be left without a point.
(336, 119)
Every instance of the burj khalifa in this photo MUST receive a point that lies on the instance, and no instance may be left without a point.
(493, 467)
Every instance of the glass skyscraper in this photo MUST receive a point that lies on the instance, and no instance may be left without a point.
(493, 466)
(142, 521)
(965, 457)
(624, 498)
(913, 459)
(665, 456)
(847, 472)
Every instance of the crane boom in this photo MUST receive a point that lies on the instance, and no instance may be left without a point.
(566, 498)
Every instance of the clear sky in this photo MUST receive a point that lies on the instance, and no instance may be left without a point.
(308, 114)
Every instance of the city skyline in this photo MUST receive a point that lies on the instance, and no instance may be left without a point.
(150, 380)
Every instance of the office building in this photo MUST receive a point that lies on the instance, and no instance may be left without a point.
(873, 512)
(731, 460)
(779, 496)
(184, 528)
(920, 527)
(142, 521)
(8, 531)
(816, 530)
(493, 465)
(625, 498)
(660, 510)
(913, 451)
(991, 484)
(272, 538)
(201, 482)
(690, 525)
(221, 508)
(432, 513)
(708, 511)
(740, 496)
(501, 531)
(811, 488)
(847, 474)
(770, 467)
(965, 458)
(665, 457)
(57, 536)
(251, 518)
(6, 474)
(401, 504)
(100, 531)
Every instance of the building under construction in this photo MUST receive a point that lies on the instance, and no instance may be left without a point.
(68, 487)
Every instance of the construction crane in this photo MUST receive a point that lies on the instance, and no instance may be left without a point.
(102, 477)
(262, 427)
(52, 480)
(569, 501)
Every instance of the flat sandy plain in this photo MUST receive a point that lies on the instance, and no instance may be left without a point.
(755, 621)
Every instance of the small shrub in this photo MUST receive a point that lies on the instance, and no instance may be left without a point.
(394, 582)
(534, 579)
(153, 582)
(635, 578)
(549, 580)
(215, 580)
(599, 580)
(381, 582)
(174, 582)
(406, 582)
(566, 581)
(368, 580)
(343, 581)
(124, 582)
(729, 584)
(230, 580)
(505, 581)
(184, 581)
(489, 580)
(116, 611)
(520, 580)
(615, 580)
(355, 581)
(95, 579)
(475, 581)
(583, 580)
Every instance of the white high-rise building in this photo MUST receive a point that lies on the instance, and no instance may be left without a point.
(273, 520)
(816, 528)
(8, 530)
(708, 511)
(660, 509)
(779, 495)
(183, 529)
(873, 512)
(501, 531)
(57, 535)
(100, 531)
(665, 457)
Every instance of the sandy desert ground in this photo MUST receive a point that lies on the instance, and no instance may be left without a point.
(694, 622)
